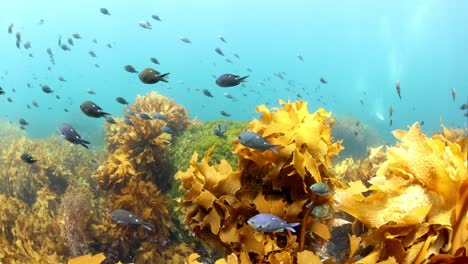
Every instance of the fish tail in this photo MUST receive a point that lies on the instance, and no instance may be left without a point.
(243, 79)
(162, 77)
(290, 227)
(84, 142)
(148, 226)
(273, 149)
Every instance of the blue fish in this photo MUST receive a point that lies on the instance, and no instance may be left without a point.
(130, 112)
(144, 116)
(159, 116)
(70, 134)
(255, 141)
(270, 223)
(127, 121)
(124, 217)
(219, 130)
(168, 130)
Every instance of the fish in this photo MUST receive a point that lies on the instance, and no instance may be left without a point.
(221, 38)
(398, 89)
(109, 45)
(92, 54)
(128, 121)
(255, 141)
(18, 36)
(10, 29)
(186, 40)
(357, 123)
(90, 91)
(47, 89)
(9, 99)
(34, 102)
(121, 100)
(391, 122)
(27, 45)
(156, 17)
(92, 110)
(110, 120)
(144, 24)
(168, 130)
(70, 41)
(322, 80)
(104, 11)
(130, 112)
(60, 78)
(219, 51)
(66, 110)
(130, 69)
(69, 133)
(144, 116)
(230, 80)
(228, 95)
(462, 107)
(270, 223)
(124, 217)
(422, 123)
(219, 130)
(65, 47)
(320, 188)
(2, 91)
(23, 122)
(28, 158)
(57, 96)
(300, 58)
(454, 94)
(154, 60)
(236, 55)
(223, 113)
(76, 35)
(207, 93)
(151, 76)
(391, 111)
(228, 60)
(159, 116)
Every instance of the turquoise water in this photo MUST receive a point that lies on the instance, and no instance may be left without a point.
(360, 47)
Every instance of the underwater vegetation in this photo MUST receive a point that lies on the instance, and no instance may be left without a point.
(220, 199)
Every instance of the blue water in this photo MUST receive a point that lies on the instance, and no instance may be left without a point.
(360, 47)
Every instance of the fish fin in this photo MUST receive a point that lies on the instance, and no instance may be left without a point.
(272, 148)
(148, 226)
(83, 143)
(243, 79)
(291, 229)
(293, 224)
(162, 77)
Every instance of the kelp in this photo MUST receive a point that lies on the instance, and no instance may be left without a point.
(219, 199)
(416, 204)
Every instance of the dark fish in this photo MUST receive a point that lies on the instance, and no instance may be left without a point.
(151, 76)
(155, 17)
(23, 122)
(454, 94)
(110, 120)
(222, 38)
(154, 60)
(462, 107)
(47, 89)
(28, 106)
(159, 116)
(322, 80)
(60, 78)
(355, 133)
(18, 36)
(9, 99)
(104, 11)
(59, 42)
(124, 217)
(236, 55)
(69, 134)
(391, 111)
(207, 93)
(2, 91)
(398, 89)
(144, 24)
(361, 101)
(92, 54)
(127, 121)
(66, 110)
(65, 47)
(219, 130)
(228, 60)
(18, 44)
(10, 29)
(255, 141)
(28, 158)
(300, 58)
(92, 110)
(94, 40)
(144, 116)
(130, 112)
(228, 95)
(70, 41)
(121, 100)
(357, 123)
(230, 80)
(186, 40)
(27, 45)
(223, 113)
(219, 51)
(391, 122)
(76, 35)
(34, 102)
(130, 69)
(109, 45)
(41, 22)
(168, 130)
(90, 91)
(422, 123)
(57, 96)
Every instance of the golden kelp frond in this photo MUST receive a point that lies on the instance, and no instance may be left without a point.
(36, 235)
(416, 203)
(219, 199)
(138, 149)
(363, 169)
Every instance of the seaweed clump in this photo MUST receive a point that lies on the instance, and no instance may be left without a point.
(219, 199)
(416, 204)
